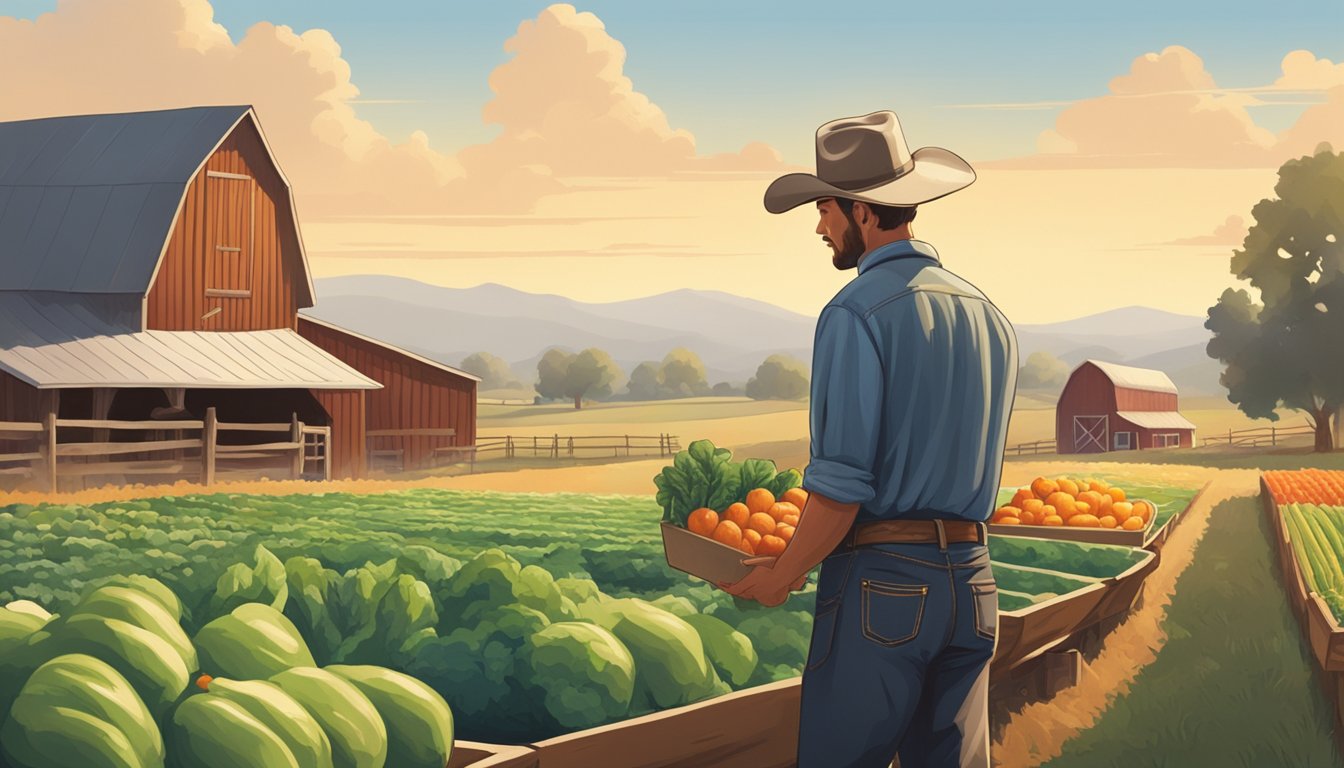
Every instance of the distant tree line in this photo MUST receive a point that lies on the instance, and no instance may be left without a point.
(592, 375)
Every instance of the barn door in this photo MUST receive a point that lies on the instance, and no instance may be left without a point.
(1089, 434)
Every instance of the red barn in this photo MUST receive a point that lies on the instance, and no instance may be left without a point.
(1110, 407)
(152, 267)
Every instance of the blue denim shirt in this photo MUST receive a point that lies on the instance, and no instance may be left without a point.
(913, 377)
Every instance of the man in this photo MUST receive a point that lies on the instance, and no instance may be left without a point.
(913, 377)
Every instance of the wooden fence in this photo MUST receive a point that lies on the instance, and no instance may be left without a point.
(1257, 437)
(513, 447)
(203, 457)
(1030, 449)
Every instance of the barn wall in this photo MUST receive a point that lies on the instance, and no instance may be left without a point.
(1136, 400)
(1088, 392)
(414, 394)
(346, 409)
(178, 301)
(19, 401)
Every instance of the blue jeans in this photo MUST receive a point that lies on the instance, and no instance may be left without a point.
(899, 663)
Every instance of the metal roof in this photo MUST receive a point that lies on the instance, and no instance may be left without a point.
(1156, 419)
(87, 202)
(1145, 379)
(54, 343)
(390, 347)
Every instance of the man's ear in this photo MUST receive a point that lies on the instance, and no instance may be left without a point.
(862, 213)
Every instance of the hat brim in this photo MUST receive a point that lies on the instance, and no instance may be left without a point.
(937, 173)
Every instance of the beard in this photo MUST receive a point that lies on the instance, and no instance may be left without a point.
(846, 255)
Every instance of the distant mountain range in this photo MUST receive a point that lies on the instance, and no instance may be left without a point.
(731, 334)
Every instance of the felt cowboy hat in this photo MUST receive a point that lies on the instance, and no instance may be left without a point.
(866, 159)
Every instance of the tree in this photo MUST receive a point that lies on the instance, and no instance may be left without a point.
(590, 373)
(644, 382)
(1043, 371)
(780, 377)
(1285, 350)
(495, 373)
(683, 374)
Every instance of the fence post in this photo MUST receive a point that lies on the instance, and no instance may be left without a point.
(209, 436)
(49, 423)
(555, 446)
(1273, 435)
(627, 446)
(571, 447)
(296, 436)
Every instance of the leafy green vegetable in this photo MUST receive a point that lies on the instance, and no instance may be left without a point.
(705, 476)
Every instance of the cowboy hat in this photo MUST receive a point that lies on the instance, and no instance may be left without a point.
(866, 159)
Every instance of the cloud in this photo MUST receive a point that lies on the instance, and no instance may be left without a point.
(1231, 233)
(1302, 71)
(1166, 112)
(562, 101)
(1324, 122)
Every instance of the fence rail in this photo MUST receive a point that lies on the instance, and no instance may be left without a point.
(1031, 449)
(509, 447)
(1256, 437)
(174, 454)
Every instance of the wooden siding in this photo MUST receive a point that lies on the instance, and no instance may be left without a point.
(1088, 393)
(252, 215)
(346, 409)
(19, 401)
(1140, 400)
(415, 394)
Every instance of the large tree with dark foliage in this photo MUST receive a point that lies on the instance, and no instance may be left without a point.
(1287, 349)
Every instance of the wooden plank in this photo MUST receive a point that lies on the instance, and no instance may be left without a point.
(50, 448)
(117, 449)
(419, 432)
(756, 727)
(37, 456)
(245, 427)
(128, 468)
(210, 442)
(244, 455)
(21, 426)
(116, 424)
(474, 754)
(222, 450)
(27, 471)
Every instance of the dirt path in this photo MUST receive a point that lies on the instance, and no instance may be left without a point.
(1039, 731)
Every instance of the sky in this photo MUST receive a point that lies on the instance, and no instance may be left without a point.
(610, 150)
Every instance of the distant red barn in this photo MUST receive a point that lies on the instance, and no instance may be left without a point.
(1109, 407)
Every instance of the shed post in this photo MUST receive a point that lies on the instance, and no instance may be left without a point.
(209, 437)
(49, 430)
(296, 436)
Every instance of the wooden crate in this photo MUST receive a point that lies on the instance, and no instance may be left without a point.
(1085, 535)
(475, 754)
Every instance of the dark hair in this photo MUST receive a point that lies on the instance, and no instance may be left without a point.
(888, 216)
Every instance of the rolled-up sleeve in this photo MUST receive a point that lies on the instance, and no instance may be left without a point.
(847, 394)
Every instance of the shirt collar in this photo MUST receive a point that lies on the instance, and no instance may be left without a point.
(901, 249)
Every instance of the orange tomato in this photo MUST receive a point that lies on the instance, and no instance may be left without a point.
(1033, 505)
(752, 536)
(791, 520)
(771, 546)
(1067, 486)
(759, 500)
(1028, 517)
(1043, 488)
(784, 531)
(1082, 508)
(1022, 495)
(1008, 521)
(1116, 494)
(1062, 502)
(703, 521)
(1144, 510)
(1134, 523)
(795, 496)
(1084, 520)
(747, 547)
(1053, 520)
(1108, 521)
(781, 508)
(738, 513)
(763, 522)
(728, 533)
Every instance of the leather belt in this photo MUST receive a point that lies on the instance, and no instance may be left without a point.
(940, 532)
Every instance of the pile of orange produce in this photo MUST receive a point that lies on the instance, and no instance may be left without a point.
(1077, 503)
(1306, 486)
(758, 525)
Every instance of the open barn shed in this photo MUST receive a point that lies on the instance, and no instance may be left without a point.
(151, 276)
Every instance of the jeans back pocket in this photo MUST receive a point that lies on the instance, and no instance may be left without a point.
(985, 595)
(892, 613)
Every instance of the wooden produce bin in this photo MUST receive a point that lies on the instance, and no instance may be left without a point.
(704, 558)
(1085, 535)
(475, 754)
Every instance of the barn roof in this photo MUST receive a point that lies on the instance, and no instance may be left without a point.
(1156, 419)
(405, 353)
(1145, 379)
(53, 343)
(87, 202)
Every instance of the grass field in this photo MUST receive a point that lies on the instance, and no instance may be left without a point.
(1234, 685)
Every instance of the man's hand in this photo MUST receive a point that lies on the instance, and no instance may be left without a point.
(763, 583)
